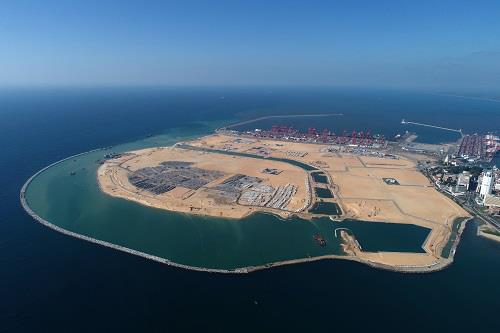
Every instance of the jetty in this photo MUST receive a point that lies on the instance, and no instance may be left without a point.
(404, 122)
(244, 122)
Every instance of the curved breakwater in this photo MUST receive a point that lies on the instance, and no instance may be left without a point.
(46, 223)
(438, 265)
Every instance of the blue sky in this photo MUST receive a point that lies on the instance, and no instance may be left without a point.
(435, 45)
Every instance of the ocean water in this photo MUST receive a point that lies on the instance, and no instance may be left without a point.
(380, 112)
(51, 282)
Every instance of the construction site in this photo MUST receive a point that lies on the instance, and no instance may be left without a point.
(171, 174)
(245, 190)
(228, 176)
(216, 184)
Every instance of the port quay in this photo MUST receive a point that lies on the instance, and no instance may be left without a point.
(288, 133)
(436, 266)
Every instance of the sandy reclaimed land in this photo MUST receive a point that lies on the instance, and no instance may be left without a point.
(361, 192)
(113, 179)
(356, 181)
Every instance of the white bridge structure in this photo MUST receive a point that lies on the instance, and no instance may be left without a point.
(404, 122)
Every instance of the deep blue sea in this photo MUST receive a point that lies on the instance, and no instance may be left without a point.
(53, 283)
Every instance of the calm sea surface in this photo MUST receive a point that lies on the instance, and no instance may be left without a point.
(51, 282)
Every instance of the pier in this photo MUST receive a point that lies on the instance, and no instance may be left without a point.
(404, 122)
(278, 116)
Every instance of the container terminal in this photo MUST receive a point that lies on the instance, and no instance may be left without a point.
(473, 147)
(312, 135)
(480, 147)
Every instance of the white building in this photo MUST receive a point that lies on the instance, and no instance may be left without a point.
(463, 181)
(486, 184)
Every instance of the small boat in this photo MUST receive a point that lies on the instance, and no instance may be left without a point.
(320, 240)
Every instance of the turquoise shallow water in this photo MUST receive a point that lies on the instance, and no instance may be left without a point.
(68, 196)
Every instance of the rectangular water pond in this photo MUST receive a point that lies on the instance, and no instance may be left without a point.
(391, 237)
(327, 208)
(319, 177)
(323, 192)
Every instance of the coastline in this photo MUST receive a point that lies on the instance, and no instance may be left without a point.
(439, 265)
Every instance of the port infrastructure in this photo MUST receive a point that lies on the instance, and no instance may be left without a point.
(339, 230)
(279, 116)
(404, 122)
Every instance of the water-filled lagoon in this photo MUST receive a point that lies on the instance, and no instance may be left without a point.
(68, 195)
